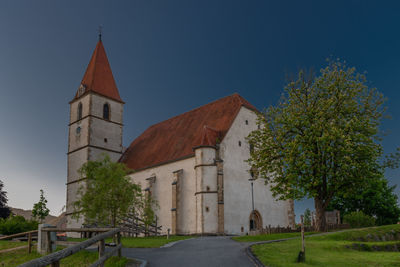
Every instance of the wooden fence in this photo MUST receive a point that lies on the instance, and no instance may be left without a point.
(30, 235)
(130, 226)
(134, 226)
(54, 258)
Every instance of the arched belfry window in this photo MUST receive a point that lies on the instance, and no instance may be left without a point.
(79, 111)
(106, 111)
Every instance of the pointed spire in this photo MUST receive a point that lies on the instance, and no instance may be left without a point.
(100, 32)
(98, 77)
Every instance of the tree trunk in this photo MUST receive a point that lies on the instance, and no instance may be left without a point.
(320, 224)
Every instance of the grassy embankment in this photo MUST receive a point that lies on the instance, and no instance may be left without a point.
(267, 237)
(82, 258)
(142, 242)
(7, 244)
(372, 246)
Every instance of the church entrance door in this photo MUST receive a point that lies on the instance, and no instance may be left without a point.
(255, 221)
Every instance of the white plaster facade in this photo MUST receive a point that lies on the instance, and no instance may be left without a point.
(96, 136)
(237, 187)
(162, 193)
(198, 197)
(204, 192)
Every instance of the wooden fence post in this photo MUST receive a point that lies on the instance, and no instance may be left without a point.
(119, 242)
(29, 243)
(49, 244)
(102, 249)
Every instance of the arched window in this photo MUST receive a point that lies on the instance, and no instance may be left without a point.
(106, 111)
(79, 111)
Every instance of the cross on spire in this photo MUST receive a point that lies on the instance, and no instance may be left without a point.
(100, 30)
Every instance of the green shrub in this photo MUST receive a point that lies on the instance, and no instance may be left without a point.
(358, 219)
(16, 224)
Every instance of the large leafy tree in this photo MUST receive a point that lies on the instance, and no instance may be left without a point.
(40, 210)
(376, 199)
(321, 139)
(108, 194)
(4, 209)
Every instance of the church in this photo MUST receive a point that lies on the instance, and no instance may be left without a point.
(194, 164)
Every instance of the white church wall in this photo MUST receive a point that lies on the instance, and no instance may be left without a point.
(162, 192)
(207, 203)
(74, 108)
(74, 223)
(79, 138)
(98, 154)
(237, 188)
(210, 202)
(108, 135)
(75, 161)
(72, 195)
(115, 108)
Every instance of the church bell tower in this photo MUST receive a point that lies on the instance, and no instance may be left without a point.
(95, 124)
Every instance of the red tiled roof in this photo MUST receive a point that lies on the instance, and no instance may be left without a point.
(98, 77)
(175, 138)
(209, 137)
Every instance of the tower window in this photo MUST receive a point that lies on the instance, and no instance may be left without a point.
(240, 143)
(105, 140)
(106, 111)
(79, 111)
(247, 122)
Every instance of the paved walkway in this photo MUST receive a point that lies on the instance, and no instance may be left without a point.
(197, 252)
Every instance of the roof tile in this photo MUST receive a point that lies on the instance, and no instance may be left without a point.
(98, 77)
(175, 138)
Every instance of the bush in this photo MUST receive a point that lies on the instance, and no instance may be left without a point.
(358, 219)
(16, 224)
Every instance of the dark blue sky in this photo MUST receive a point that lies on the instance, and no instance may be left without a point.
(167, 58)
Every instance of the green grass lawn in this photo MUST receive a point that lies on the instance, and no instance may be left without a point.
(266, 237)
(142, 242)
(4, 244)
(149, 242)
(331, 250)
(83, 258)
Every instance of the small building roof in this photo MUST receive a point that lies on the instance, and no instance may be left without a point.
(98, 77)
(175, 138)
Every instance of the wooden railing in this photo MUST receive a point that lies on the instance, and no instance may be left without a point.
(54, 258)
(29, 234)
(134, 226)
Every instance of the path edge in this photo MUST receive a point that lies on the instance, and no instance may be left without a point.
(253, 257)
(143, 262)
